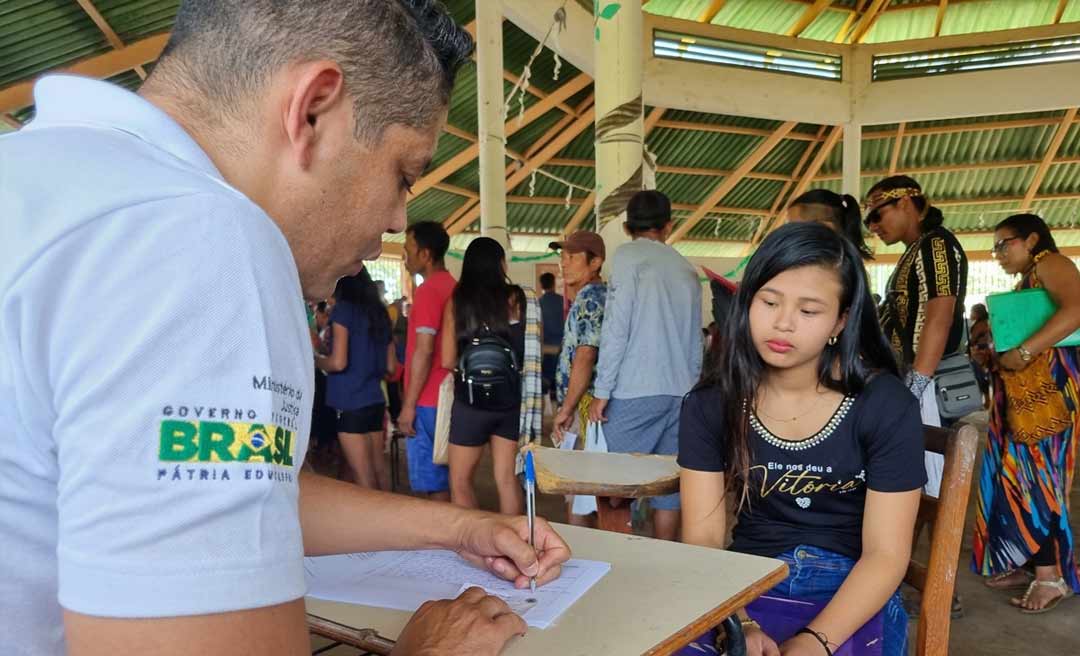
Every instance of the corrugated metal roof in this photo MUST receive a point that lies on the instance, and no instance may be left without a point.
(901, 19)
(36, 35)
(433, 205)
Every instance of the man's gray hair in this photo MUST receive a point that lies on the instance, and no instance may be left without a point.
(399, 57)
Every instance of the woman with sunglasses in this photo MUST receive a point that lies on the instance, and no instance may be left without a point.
(1027, 470)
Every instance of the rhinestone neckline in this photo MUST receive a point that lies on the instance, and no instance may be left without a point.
(802, 445)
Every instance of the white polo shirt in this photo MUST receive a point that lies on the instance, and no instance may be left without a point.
(155, 375)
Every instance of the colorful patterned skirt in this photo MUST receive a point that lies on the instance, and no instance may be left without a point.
(1023, 495)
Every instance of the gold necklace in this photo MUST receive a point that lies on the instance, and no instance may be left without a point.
(761, 411)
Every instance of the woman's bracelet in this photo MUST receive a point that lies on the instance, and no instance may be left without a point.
(821, 637)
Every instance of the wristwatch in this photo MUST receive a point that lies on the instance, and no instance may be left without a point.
(1025, 354)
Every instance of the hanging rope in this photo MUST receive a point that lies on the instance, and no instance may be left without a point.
(521, 87)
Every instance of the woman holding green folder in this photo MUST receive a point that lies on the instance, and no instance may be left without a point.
(1027, 470)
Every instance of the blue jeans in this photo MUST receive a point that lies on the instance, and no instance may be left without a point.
(815, 574)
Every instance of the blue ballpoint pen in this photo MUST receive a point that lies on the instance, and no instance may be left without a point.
(530, 505)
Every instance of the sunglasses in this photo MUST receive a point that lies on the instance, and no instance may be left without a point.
(874, 217)
(1000, 246)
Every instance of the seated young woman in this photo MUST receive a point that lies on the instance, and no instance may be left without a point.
(806, 423)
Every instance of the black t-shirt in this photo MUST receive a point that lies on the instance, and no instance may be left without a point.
(813, 492)
(934, 265)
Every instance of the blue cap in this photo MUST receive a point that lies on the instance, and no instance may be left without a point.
(530, 472)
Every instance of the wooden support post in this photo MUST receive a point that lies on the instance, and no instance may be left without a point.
(620, 131)
(492, 135)
(852, 167)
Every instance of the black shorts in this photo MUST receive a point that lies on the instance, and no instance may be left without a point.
(470, 426)
(368, 419)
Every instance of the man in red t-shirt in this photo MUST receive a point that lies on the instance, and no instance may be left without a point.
(425, 247)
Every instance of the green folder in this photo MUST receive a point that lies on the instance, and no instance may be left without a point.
(1015, 316)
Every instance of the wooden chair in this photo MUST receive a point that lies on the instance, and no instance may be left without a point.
(946, 515)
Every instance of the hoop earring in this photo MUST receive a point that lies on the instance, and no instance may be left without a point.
(833, 340)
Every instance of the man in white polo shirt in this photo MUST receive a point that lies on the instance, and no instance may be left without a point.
(155, 364)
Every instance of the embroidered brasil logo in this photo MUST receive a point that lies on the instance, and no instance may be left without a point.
(215, 441)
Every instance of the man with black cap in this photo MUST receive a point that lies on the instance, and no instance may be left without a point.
(650, 349)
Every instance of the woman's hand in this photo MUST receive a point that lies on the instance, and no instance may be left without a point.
(802, 644)
(1012, 361)
(758, 643)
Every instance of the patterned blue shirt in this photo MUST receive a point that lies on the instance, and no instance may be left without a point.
(582, 328)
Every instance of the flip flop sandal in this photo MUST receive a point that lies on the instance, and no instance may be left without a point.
(1004, 575)
(1059, 585)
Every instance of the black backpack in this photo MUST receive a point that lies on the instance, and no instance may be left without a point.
(488, 376)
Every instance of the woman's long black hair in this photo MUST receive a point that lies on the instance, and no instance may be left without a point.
(860, 352)
(842, 212)
(361, 291)
(482, 295)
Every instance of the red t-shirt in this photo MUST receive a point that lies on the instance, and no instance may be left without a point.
(429, 301)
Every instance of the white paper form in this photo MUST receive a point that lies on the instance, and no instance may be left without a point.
(404, 580)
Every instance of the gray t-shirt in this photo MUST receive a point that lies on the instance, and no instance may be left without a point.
(650, 344)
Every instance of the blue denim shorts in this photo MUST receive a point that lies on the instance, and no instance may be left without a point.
(815, 574)
(425, 477)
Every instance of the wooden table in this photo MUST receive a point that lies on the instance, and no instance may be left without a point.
(657, 598)
(615, 479)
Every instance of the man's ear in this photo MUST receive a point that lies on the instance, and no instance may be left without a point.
(667, 230)
(317, 90)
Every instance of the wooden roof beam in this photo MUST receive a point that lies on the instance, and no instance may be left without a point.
(552, 132)
(862, 28)
(817, 162)
(898, 143)
(963, 127)
(1048, 158)
(530, 165)
(106, 29)
(1062, 4)
(943, 6)
(949, 168)
(767, 222)
(808, 16)
(678, 170)
(144, 51)
(675, 207)
(461, 210)
(589, 201)
(540, 108)
(727, 129)
(728, 183)
(470, 27)
(711, 11)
